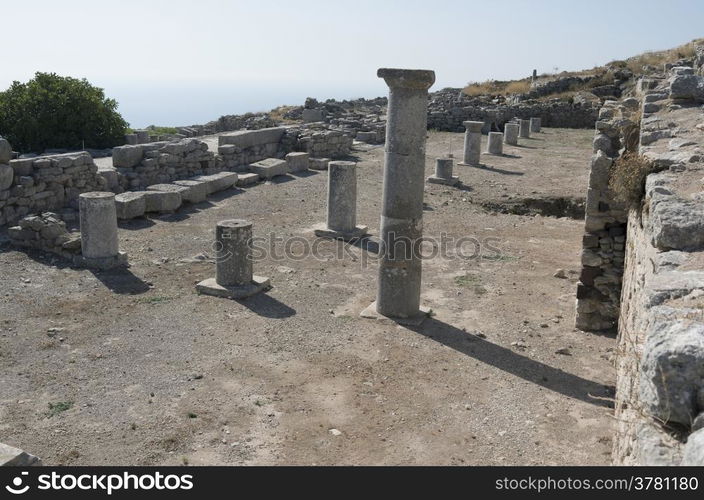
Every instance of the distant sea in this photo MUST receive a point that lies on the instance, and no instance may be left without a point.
(176, 104)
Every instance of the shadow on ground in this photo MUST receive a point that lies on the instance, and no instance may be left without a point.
(517, 364)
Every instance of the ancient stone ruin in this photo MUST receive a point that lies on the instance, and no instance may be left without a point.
(221, 362)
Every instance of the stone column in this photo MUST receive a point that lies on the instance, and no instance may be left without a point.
(342, 203)
(535, 125)
(472, 143)
(443, 173)
(511, 133)
(98, 222)
(401, 231)
(495, 144)
(524, 129)
(234, 275)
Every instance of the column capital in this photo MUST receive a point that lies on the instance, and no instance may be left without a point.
(417, 79)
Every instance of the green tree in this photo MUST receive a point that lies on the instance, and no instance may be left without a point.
(52, 111)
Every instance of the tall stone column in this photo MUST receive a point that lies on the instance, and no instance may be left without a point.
(234, 274)
(495, 143)
(472, 143)
(524, 129)
(535, 125)
(401, 231)
(511, 134)
(342, 203)
(98, 222)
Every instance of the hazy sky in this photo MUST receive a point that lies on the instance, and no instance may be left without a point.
(176, 62)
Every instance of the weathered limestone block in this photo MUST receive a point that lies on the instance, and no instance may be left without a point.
(269, 168)
(672, 371)
(247, 179)
(197, 191)
(687, 87)
(130, 205)
(249, 138)
(127, 156)
(693, 451)
(161, 201)
(297, 162)
(535, 124)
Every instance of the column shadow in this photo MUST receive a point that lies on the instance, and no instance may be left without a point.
(488, 168)
(121, 281)
(265, 305)
(517, 364)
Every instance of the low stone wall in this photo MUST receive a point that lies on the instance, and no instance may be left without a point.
(46, 232)
(603, 244)
(34, 185)
(141, 165)
(244, 147)
(324, 143)
(449, 108)
(660, 355)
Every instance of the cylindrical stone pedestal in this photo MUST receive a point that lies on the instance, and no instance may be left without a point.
(233, 263)
(495, 143)
(98, 220)
(443, 168)
(234, 276)
(342, 203)
(524, 129)
(472, 142)
(535, 125)
(443, 173)
(511, 133)
(342, 196)
(402, 204)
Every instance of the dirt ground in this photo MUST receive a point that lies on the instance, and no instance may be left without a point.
(116, 368)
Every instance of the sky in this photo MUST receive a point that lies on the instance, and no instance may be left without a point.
(181, 62)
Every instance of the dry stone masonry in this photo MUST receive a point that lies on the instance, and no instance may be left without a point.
(603, 244)
(660, 366)
(44, 183)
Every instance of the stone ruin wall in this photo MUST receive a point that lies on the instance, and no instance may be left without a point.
(34, 185)
(53, 183)
(603, 243)
(658, 303)
(448, 108)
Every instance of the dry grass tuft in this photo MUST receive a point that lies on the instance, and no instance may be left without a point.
(495, 87)
(627, 180)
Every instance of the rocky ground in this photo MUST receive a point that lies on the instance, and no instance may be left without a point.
(136, 368)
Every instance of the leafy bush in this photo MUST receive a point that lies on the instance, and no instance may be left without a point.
(627, 179)
(52, 111)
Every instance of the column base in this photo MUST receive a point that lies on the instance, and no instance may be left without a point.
(211, 287)
(452, 181)
(371, 313)
(103, 263)
(322, 231)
